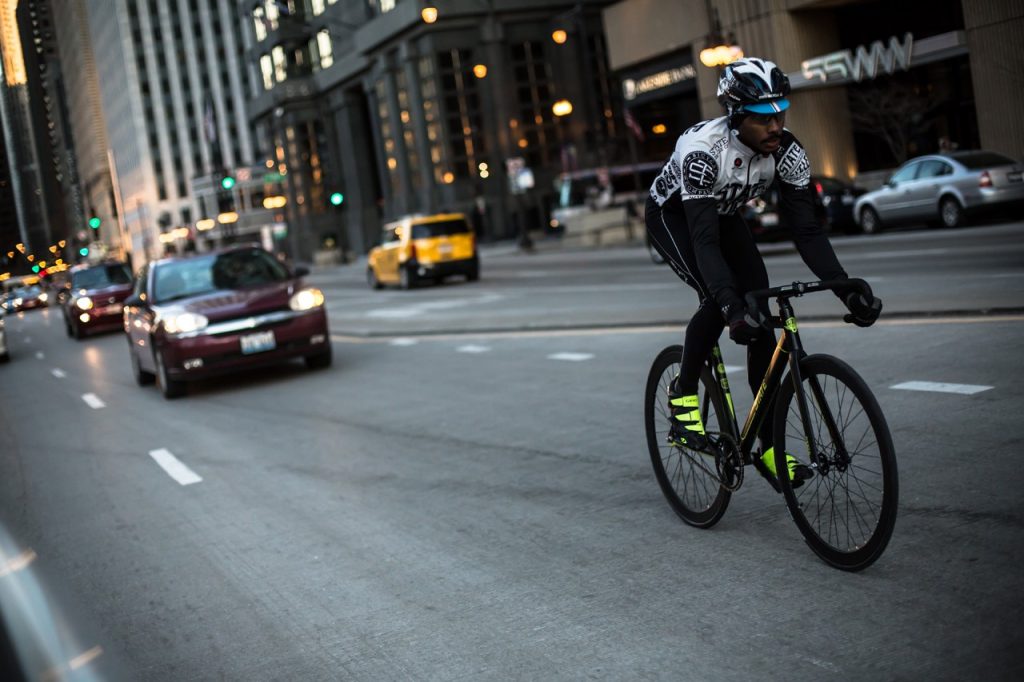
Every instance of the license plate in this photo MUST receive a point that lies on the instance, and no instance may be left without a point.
(769, 219)
(1015, 176)
(111, 309)
(258, 343)
(444, 251)
(847, 200)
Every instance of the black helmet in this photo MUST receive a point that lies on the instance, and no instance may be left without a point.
(753, 85)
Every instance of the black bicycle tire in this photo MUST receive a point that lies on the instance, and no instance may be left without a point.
(654, 395)
(863, 556)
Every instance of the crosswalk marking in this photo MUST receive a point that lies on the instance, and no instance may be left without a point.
(174, 467)
(40, 356)
(571, 357)
(404, 342)
(93, 401)
(59, 373)
(937, 387)
(470, 348)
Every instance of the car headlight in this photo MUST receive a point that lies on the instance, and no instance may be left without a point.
(183, 323)
(17, 302)
(306, 299)
(43, 297)
(84, 303)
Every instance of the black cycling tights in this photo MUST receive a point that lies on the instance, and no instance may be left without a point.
(670, 236)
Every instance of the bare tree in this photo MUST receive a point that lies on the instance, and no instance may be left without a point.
(893, 112)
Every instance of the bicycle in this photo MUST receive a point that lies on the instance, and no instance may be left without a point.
(825, 415)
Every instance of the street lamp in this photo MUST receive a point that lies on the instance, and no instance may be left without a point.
(429, 15)
(718, 50)
(559, 36)
(562, 107)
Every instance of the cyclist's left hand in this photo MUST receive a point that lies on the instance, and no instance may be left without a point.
(864, 310)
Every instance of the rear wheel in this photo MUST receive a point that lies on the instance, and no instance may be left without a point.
(950, 212)
(473, 273)
(686, 477)
(171, 388)
(406, 277)
(870, 223)
(847, 511)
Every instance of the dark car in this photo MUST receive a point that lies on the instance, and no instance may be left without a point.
(28, 298)
(95, 298)
(833, 209)
(213, 313)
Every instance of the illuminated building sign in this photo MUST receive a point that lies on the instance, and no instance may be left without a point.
(660, 83)
(846, 65)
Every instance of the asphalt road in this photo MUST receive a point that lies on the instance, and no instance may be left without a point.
(458, 504)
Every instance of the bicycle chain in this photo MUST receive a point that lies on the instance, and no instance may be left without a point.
(721, 461)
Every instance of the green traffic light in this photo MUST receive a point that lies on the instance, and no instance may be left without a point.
(35, 268)
(227, 182)
(337, 198)
(95, 222)
(83, 251)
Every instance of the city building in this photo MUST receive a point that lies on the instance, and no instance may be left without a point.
(53, 148)
(171, 84)
(15, 118)
(874, 83)
(382, 108)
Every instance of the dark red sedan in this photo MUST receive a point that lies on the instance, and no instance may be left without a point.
(221, 311)
(95, 298)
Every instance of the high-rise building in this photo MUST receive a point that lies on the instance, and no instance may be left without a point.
(59, 196)
(170, 82)
(15, 117)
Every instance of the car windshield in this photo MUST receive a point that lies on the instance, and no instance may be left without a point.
(831, 184)
(28, 292)
(101, 276)
(204, 274)
(978, 160)
(439, 229)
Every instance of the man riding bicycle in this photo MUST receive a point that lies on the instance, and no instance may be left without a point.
(693, 222)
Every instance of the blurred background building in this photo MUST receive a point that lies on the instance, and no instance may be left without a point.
(174, 125)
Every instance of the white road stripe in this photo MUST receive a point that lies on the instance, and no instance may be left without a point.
(59, 373)
(470, 348)
(40, 356)
(403, 342)
(28, 339)
(571, 357)
(174, 467)
(935, 387)
(93, 401)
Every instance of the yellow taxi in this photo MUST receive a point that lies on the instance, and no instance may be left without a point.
(421, 248)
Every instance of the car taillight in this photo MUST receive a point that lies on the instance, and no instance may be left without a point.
(985, 180)
(412, 251)
(821, 190)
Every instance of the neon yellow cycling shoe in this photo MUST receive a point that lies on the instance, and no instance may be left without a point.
(687, 430)
(798, 472)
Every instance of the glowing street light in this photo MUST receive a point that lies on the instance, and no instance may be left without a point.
(429, 14)
(559, 36)
(562, 107)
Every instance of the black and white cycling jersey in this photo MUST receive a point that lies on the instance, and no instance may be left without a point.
(709, 161)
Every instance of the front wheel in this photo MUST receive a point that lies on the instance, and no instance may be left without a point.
(171, 388)
(870, 223)
(687, 477)
(847, 510)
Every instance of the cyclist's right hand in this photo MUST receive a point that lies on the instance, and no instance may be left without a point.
(746, 326)
(864, 310)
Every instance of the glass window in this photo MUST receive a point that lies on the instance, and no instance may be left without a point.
(440, 229)
(908, 172)
(101, 276)
(205, 274)
(259, 21)
(280, 64)
(324, 49)
(934, 169)
(267, 69)
(318, 7)
(978, 160)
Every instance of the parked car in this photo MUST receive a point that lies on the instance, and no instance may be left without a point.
(198, 316)
(5, 353)
(421, 248)
(943, 189)
(95, 298)
(28, 298)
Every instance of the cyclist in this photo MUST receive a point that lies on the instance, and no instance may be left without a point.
(693, 222)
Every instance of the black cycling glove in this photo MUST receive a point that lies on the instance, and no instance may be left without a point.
(864, 310)
(746, 326)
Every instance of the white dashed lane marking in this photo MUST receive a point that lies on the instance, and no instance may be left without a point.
(403, 342)
(571, 357)
(59, 373)
(936, 387)
(40, 356)
(470, 348)
(174, 467)
(93, 401)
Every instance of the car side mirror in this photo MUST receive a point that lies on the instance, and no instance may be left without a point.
(300, 271)
(890, 183)
(134, 301)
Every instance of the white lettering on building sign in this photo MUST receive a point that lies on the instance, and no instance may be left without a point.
(847, 65)
(631, 89)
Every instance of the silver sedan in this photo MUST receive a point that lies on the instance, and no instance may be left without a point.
(943, 189)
